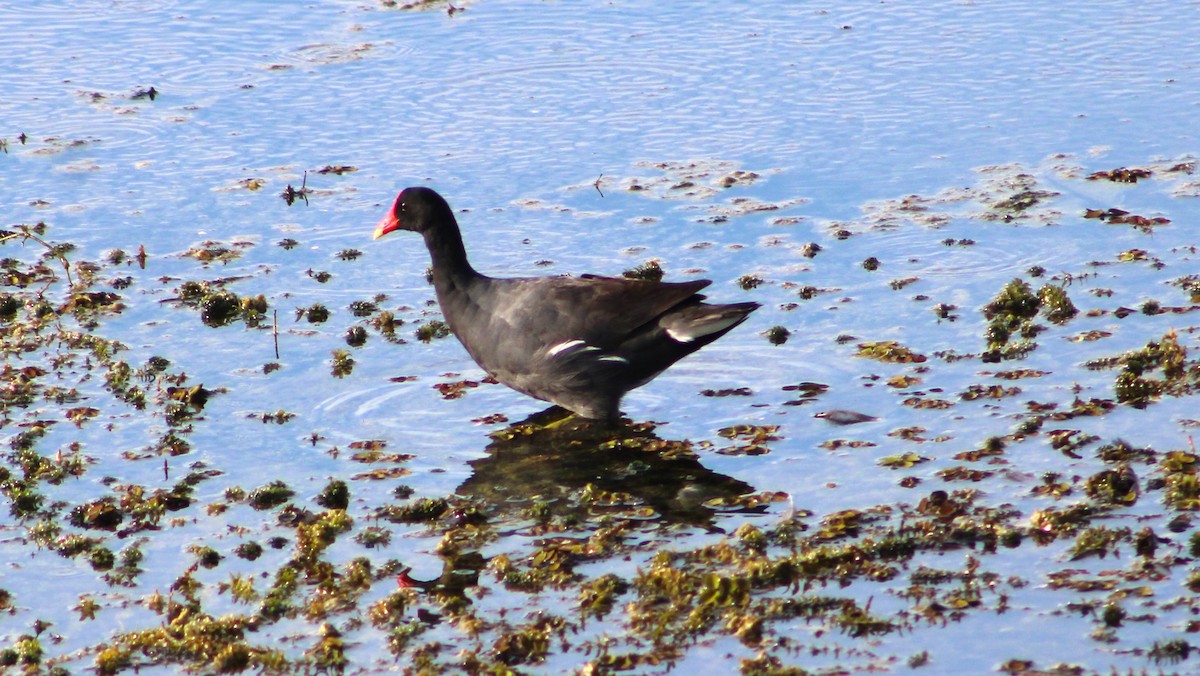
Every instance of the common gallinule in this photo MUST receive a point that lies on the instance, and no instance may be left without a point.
(579, 342)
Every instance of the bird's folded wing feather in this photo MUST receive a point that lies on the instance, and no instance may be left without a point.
(601, 311)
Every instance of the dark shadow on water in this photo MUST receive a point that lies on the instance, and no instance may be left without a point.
(573, 467)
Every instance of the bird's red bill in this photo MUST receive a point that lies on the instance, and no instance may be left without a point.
(386, 224)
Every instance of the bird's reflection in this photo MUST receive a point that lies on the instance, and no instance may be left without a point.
(578, 468)
(557, 476)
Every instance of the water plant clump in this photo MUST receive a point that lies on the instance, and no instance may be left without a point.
(889, 351)
(1011, 314)
(431, 330)
(219, 307)
(1055, 304)
(777, 335)
(270, 495)
(650, 271)
(1138, 387)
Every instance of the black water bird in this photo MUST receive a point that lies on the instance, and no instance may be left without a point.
(579, 342)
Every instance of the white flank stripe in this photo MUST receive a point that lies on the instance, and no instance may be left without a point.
(614, 358)
(563, 346)
(704, 329)
(681, 337)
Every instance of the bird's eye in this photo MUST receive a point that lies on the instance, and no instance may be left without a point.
(400, 207)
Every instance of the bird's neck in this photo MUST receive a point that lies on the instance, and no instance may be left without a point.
(449, 256)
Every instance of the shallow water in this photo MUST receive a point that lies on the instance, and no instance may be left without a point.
(902, 125)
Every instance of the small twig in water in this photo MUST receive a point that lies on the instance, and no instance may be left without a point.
(596, 185)
(290, 194)
(26, 233)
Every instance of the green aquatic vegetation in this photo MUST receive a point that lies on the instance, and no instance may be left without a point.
(270, 495)
(751, 439)
(206, 557)
(24, 501)
(102, 559)
(529, 643)
(1069, 442)
(1021, 201)
(210, 251)
(280, 417)
(240, 588)
(356, 336)
(313, 314)
(681, 595)
(808, 292)
(1116, 486)
(1046, 525)
(1189, 284)
(194, 639)
(1182, 492)
(777, 335)
(945, 311)
(1010, 317)
(101, 514)
(749, 282)
(1170, 651)
(170, 444)
(25, 651)
(219, 306)
(1098, 541)
(329, 652)
(1055, 304)
(1015, 303)
(1120, 451)
(71, 545)
(343, 363)
(1166, 354)
(248, 551)
(432, 330)
(127, 566)
(1136, 386)
(10, 304)
(363, 308)
(597, 597)
(277, 602)
(889, 351)
(548, 567)
(423, 510)
(386, 322)
(335, 495)
(649, 271)
(988, 392)
(1180, 462)
(372, 537)
(902, 461)
(858, 622)
(1051, 485)
(254, 310)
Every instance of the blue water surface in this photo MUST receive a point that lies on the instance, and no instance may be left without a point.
(535, 120)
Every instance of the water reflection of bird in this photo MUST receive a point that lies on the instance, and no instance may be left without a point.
(579, 342)
(578, 476)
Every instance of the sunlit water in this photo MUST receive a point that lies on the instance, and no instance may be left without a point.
(534, 119)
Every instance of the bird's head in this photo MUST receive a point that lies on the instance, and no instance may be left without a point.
(415, 209)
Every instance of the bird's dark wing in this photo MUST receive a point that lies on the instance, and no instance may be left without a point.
(601, 311)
